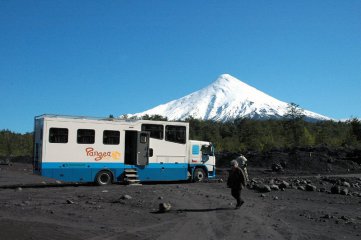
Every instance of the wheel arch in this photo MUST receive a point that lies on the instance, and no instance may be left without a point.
(194, 167)
(104, 170)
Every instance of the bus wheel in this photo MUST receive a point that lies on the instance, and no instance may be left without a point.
(199, 175)
(103, 178)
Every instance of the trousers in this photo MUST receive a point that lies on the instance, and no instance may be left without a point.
(236, 193)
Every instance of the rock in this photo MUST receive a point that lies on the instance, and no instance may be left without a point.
(19, 189)
(327, 216)
(311, 188)
(91, 202)
(346, 184)
(275, 198)
(125, 197)
(254, 181)
(24, 203)
(344, 218)
(68, 201)
(284, 185)
(164, 207)
(251, 186)
(335, 189)
(263, 188)
(344, 191)
(302, 188)
(276, 167)
(274, 187)
(160, 198)
(322, 189)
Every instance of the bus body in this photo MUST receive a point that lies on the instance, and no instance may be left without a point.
(84, 149)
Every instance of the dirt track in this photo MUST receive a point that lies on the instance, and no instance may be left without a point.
(199, 211)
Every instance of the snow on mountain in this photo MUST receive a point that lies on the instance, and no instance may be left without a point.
(225, 99)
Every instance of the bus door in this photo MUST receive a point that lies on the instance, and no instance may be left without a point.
(136, 148)
(143, 149)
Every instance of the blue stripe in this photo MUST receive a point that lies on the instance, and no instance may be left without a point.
(86, 172)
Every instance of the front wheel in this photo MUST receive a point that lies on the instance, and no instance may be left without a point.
(199, 175)
(103, 178)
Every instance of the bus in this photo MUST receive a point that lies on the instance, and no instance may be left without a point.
(109, 150)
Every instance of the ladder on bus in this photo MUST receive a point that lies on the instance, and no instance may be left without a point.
(131, 177)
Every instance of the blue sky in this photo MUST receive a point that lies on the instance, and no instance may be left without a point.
(96, 58)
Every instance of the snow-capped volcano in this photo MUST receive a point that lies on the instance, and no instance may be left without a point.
(225, 99)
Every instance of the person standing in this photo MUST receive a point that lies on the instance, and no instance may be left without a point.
(242, 162)
(236, 181)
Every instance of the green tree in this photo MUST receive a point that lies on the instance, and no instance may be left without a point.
(294, 124)
(154, 117)
(356, 128)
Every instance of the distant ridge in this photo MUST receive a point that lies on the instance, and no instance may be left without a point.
(225, 99)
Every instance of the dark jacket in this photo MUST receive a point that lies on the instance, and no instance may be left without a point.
(236, 179)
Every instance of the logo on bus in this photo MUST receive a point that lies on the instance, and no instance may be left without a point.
(91, 152)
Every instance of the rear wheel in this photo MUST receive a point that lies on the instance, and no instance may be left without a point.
(199, 175)
(104, 178)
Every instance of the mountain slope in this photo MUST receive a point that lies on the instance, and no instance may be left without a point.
(225, 99)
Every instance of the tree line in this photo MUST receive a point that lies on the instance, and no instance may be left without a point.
(290, 132)
(243, 134)
(15, 144)
(239, 135)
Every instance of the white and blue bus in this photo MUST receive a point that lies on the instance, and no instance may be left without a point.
(85, 149)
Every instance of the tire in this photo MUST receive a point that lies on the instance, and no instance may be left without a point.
(199, 175)
(104, 178)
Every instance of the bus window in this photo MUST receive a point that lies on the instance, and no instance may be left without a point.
(86, 136)
(175, 134)
(111, 137)
(156, 130)
(58, 135)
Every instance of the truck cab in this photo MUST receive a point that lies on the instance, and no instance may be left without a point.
(202, 160)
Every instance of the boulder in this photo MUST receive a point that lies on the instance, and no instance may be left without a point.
(263, 188)
(125, 197)
(283, 185)
(344, 191)
(311, 188)
(164, 207)
(276, 167)
(335, 189)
